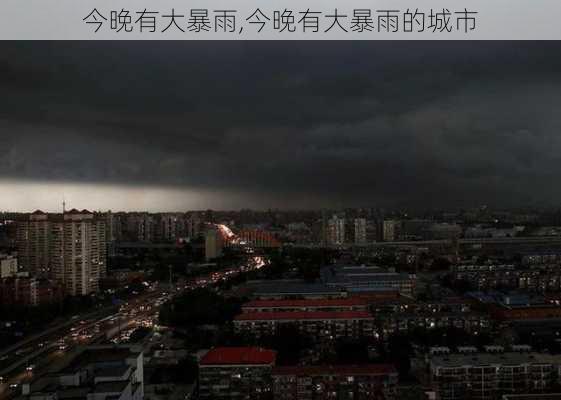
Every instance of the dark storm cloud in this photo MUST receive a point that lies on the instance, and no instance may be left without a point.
(353, 123)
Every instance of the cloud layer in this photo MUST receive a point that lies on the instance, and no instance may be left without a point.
(289, 124)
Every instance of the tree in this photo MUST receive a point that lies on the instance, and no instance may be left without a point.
(199, 307)
(288, 342)
(400, 352)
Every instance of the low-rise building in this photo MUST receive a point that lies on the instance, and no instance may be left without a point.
(471, 322)
(236, 373)
(367, 279)
(357, 382)
(286, 305)
(319, 324)
(538, 279)
(488, 376)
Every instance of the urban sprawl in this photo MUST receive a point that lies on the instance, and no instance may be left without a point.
(293, 305)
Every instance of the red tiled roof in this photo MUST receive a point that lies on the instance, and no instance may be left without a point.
(343, 302)
(366, 369)
(239, 356)
(299, 315)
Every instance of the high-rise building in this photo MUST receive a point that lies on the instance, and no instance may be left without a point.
(29, 291)
(336, 230)
(169, 227)
(78, 251)
(193, 225)
(69, 247)
(390, 230)
(360, 231)
(32, 240)
(110, 226)
(213, 244)
(8, 265)
(145, 228)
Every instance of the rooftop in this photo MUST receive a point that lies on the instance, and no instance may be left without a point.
(342, 302)
(111, 371)
(103, 354)
(110, 387)
(281, 287)
(340, 274)
(303, 315)
(239, 356)
(481, 359)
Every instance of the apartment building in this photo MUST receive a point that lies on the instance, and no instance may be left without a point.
(29, 291)
(318, 324)
(8, 265)
(70, 247)
(490, 375)
(78, 251)
(236, 373)
(32, 241)
(341, 382)
(303, 305)
(356, 279)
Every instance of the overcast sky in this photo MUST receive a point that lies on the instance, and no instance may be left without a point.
(185, 125)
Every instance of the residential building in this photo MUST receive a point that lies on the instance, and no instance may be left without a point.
(32, 240)
(336, 230)
(145, 227)
(360, 231)
(213, 244)
(390, 230)
(69, 247)
(288, 305)
(236, 373)
(365, 279)
(488, 376)
(471, 322)
(341, 382)
(78, 251)
(318, 324)
(8, 265)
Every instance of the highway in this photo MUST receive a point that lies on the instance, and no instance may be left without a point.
(35, 356)
(39, 355)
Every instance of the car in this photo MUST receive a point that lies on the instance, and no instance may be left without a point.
(30, 367)
(14, 385)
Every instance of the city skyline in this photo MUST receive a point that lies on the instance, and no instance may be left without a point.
(124, 126)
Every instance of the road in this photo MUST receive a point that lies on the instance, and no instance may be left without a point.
(36, 356)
